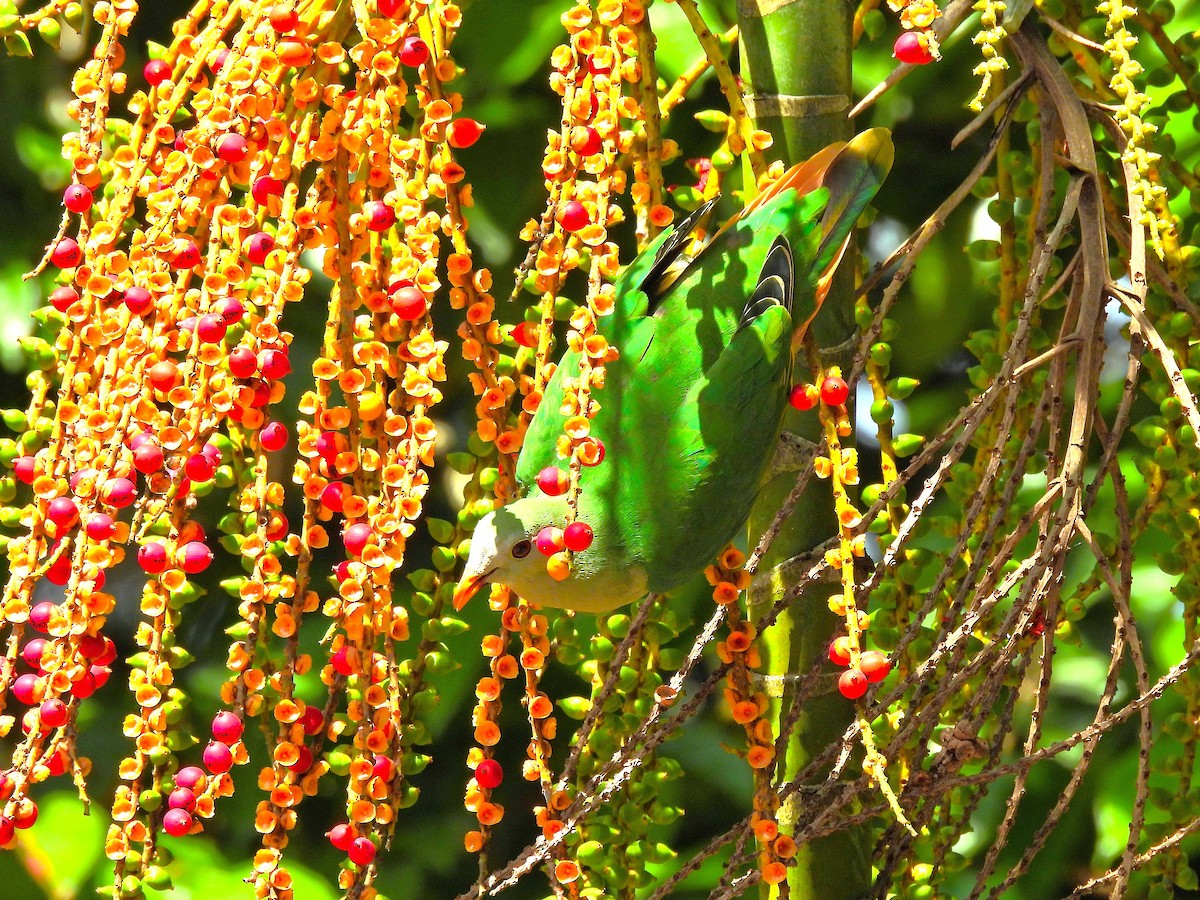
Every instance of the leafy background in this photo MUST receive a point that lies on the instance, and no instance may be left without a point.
(504, 47)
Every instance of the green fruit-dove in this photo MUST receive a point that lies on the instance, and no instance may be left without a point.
(691, 411)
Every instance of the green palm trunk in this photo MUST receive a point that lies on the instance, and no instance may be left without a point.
(796, 64)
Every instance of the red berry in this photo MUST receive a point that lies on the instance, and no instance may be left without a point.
(62, 298)
(525, 335)
(586, 141)
(100, 526)
(211, 328)
(195, 557)
(218, 61)
(92, 646)
(380, 216)
(182, 798)
(218, 757)
(803, 397)
(284, 18)
(553, 481)
(839, 651)
(60, 570)
(79, 475)
(231, 309)
(77, 198)
(330, 444)
(199, 468)
(101, 673)
(152, 557)
(462, 133)
(27, 689)
(266, 187)
(119, 492)
(53, 713)
(25, 469)
(156, 72)
(334, 496)
(242, 362)
(27, 815)
(233, 148)
(342, 836)
(274, 364)
(572, 216)
(912, 47)
(139, 300)
(227, 727)
(852, 684)
(384, 767)
(63, 512)
(7, 830)
(258, 245)
(578, 536)
(66, 254)
(163, 376)
(277, 526)
(58, 762)
(274, 436)
(177, 822)
(489, 774)
(356, 537)
(834, 391)
(32, 652)
(362, 851)
(148, 458)
(303, 761)
(39, 616)
(409, 303)
(190, 777)
(187, 255)
(340, 661)
(874, 665)
(83, 686)
(413, 52)
(261, 395)
(313, 721)
(549, 540)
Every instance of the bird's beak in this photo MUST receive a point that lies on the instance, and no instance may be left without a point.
(469, 585)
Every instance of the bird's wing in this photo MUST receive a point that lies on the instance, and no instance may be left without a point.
(705, 433)
(639, 290)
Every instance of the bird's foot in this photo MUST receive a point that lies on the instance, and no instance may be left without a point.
(792, 454)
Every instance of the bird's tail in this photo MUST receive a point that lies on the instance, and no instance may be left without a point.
(853, 173)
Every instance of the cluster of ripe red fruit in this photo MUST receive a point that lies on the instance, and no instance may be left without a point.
(45, 715)
(833, 392)
(872, 666)
(577, 536)
(359, 848)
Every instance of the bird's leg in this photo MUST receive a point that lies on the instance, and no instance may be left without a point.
(792, 454)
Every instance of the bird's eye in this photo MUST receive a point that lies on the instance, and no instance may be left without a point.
(521, 549)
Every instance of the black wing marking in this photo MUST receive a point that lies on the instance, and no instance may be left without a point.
(775, 283)
(669, 260)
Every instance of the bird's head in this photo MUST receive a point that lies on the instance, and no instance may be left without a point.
(503, 550)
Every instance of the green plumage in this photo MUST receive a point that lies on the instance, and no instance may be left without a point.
(691, 411)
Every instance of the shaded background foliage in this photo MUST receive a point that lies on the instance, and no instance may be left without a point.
(504, 46)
